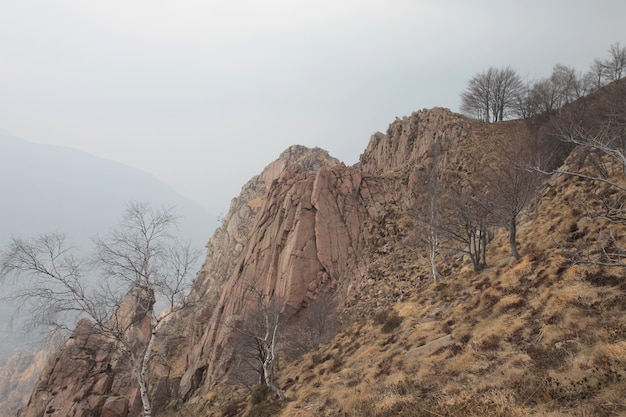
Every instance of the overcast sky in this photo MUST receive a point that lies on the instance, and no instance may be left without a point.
(204, 94)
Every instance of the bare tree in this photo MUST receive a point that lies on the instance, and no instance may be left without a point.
(491, 95)
(615, 65)
(140, 254)
(563, 86)
(513, 181)
(313, 325)
(468, 221)
(427, 210)
(596, 74)
(255, 338)
(598, 133)
(525, 105)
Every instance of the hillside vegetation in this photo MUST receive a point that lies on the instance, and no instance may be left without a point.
(543, 334)
(461, 268)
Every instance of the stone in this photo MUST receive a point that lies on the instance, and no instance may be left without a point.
(115, 407)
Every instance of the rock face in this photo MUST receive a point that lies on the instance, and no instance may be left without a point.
(309, 231)
(302, 226)
(307, 237)
(412, 140)
(19, 375)
(88, 370)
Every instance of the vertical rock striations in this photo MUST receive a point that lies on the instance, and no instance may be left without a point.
(300, 227)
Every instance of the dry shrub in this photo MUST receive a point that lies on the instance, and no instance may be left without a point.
(610, 354)
(603, 279)
(393, 321)
(491, 342)
(266, 410)
(259, 393)
(510, 302)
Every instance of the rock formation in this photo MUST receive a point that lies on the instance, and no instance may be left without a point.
(302, 226)
(89, 374)
(19, 374)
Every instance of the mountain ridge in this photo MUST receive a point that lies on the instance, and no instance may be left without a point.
(523, 336)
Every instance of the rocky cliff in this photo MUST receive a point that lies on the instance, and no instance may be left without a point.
(303, 226)
(18, 376)
(89, 374)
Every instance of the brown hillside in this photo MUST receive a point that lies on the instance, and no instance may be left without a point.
(539, 335)
(535, 336)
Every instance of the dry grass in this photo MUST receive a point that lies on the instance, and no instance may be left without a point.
(536, 336)
(530, 337)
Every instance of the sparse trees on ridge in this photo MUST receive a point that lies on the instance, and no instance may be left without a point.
(498, 93)
(491, 95)
(598, 134)
(615, 65)
(140, 254)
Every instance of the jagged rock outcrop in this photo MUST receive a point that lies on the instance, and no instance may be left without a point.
(311, 230)
(19, 374)
(307, 237)
(412, 140)
(89, 369)
(302, 226)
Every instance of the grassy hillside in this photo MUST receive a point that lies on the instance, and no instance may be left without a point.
(542, 335)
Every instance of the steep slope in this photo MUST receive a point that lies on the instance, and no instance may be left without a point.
(305, 225)
(311, 233)
(539, 335)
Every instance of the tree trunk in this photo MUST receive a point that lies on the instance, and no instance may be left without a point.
(513, 237)
(142, 371)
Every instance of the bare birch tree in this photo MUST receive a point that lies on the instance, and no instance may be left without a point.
(140, 254)
(255, 338)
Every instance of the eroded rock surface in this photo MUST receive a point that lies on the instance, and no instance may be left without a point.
(302, 226)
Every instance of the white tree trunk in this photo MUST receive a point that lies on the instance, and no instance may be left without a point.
(141, 371)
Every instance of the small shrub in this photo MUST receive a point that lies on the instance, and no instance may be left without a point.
(259, 393)
(318, 358)
(602, 279)
(393, 321)
(381, 317)
(491, 342)
(336, 364)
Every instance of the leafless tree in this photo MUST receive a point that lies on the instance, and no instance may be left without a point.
(491, 95)
(598, 133)
(140, 254)
(255, 338)
(596, 74)
(427, 209)
(468, 220)
(525, 105)
(514, 181)
(313, 325)
(563, 86)
(615, 65)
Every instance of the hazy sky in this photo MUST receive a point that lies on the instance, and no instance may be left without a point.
(204, 94)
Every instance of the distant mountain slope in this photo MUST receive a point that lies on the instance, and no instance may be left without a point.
(49, 188)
